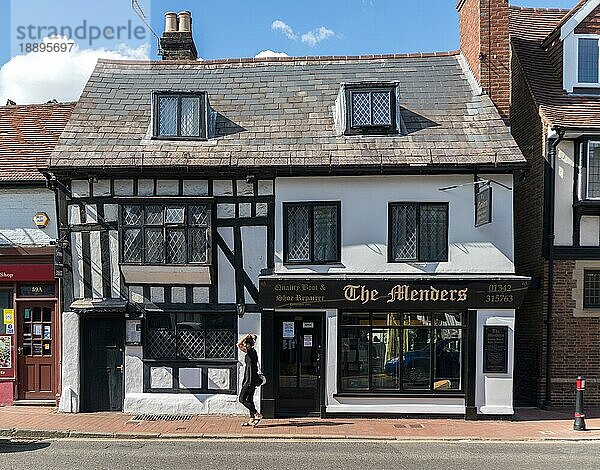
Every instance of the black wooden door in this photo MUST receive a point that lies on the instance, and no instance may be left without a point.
(298, 364)
(102, 364)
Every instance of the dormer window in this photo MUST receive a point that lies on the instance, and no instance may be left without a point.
(370, 109)
(180, 115)
(587, 65)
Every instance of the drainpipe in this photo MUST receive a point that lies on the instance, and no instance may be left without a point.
(552, 144)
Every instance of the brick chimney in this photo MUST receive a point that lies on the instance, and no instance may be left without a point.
(177, 42)
(485, 44)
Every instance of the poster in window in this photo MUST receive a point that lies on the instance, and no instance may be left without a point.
(288, 329)
(5, 352)
(47, 332)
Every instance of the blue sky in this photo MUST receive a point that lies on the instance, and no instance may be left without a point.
(239, 28)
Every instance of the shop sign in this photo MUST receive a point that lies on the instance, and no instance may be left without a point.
(483, 206)
(385, 294)
(59, 263)
(36, 290)
(41, 219)
(495, 349)
(26, 272)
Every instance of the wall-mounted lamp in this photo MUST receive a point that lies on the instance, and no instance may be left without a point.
(241, 309)
(93, 178)
(250, 179)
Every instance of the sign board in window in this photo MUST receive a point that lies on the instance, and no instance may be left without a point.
(483, 206)
(36, 290)
(495, 349)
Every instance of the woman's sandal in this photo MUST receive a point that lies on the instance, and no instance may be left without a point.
(255, 421)
(248, 423)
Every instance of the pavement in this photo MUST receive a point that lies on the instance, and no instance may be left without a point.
(527, 425)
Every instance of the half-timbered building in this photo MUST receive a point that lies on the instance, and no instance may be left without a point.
(338, 207)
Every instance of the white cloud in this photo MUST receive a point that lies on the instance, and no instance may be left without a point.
(312, 38)
(270, 53)
(279, 25)
(38, 77)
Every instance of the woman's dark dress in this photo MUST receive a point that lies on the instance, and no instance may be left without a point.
(250, 382)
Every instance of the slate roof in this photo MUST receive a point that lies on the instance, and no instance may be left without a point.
(278, 113)
(529, 28)
(28, 134)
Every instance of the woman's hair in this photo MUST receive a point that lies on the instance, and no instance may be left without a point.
(250, 340)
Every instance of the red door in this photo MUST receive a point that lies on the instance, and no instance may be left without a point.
(36, 350)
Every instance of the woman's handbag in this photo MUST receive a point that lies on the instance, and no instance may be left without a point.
(261, 376)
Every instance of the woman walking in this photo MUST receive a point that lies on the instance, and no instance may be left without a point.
(251, 378)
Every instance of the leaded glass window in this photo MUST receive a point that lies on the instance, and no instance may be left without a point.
(171, 234)
(593, 170)
(311, 232)
(371, 110)
(189, 336)
(418, 232)
(587, 69)
(179, 115)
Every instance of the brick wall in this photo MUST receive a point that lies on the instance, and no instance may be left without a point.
(484, 41)
(528, 132)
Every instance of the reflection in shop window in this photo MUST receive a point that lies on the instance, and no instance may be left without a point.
(401, 352)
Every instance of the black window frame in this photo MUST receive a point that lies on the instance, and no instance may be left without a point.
(464, 327)
(203, 364)
(370, 129)
(586, 304)
(186, 226)
(419, 258)
(202, 121)
(311, 205)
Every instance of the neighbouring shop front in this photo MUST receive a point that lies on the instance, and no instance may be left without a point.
(29, 332)
(389, 345)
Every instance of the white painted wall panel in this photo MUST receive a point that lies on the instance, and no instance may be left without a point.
(96, 263)
(254, 244)
(364, 200)
(494, 392)
(115, 272)
(17, 208)
(69, 400)
(563, 211)
(77, 262)
(226, 271)
(589, 231)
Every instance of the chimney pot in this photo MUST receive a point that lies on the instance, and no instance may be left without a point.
(170, 22)
(185, 22)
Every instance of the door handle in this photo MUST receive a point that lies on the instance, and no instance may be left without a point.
(120, 368)
(19, 350)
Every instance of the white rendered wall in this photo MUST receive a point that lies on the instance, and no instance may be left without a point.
(70, 360)
(494, 392)
(563, 206)
(364, 218)
(17, 208)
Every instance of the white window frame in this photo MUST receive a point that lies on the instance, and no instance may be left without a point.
(571, 62)
(587, 169)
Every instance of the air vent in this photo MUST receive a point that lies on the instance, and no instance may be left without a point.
(149, 417)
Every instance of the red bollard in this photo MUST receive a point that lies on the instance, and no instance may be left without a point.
(579, 424)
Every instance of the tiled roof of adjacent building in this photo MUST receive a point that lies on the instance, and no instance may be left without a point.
(529, 27)
(278, 113)
(28, 134)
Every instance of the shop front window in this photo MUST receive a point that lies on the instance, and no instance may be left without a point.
(401, 351)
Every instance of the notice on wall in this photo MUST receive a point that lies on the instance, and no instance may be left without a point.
(133, 332)
(495, 349)
(288, 330)
(308, 324)
(308, 342)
